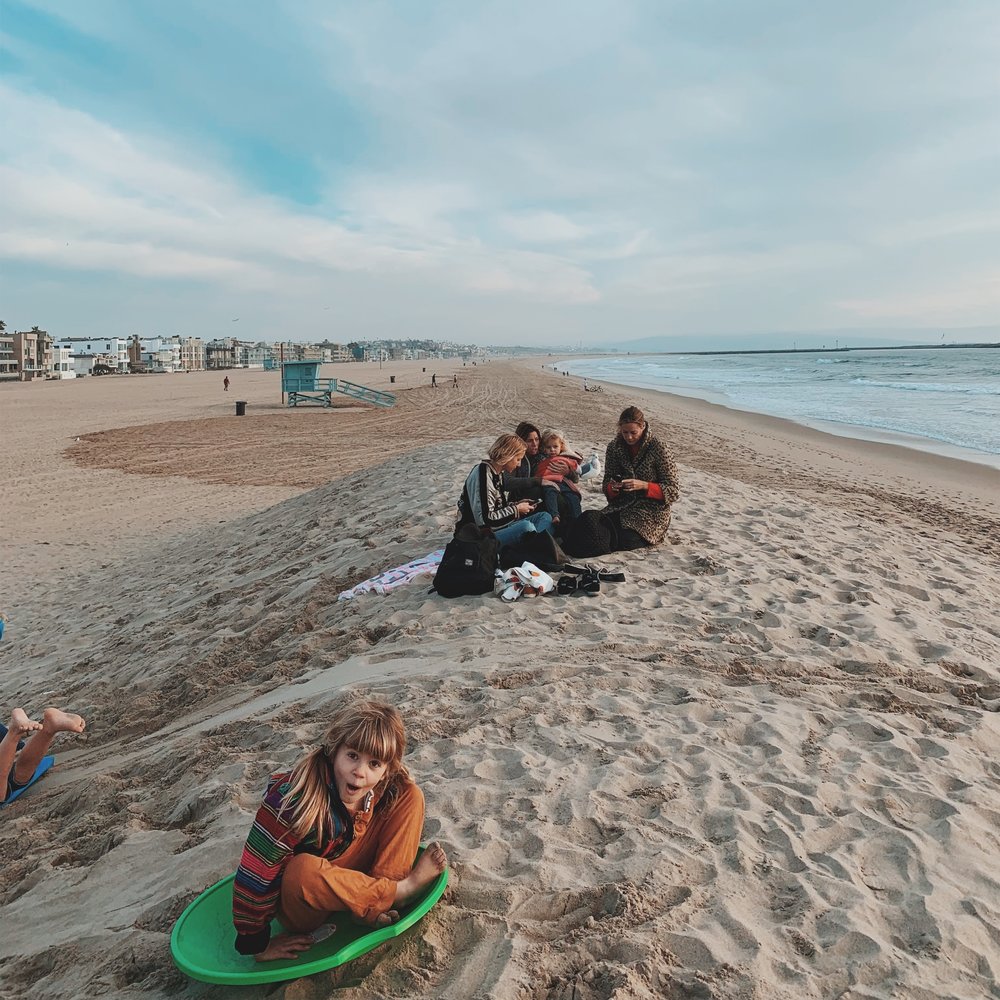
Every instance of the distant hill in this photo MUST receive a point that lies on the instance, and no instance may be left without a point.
(791, 339)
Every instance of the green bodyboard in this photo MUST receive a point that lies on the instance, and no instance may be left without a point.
(202, 939)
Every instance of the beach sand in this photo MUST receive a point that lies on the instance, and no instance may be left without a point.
(765, 766)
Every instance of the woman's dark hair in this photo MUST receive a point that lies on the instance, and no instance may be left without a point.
(524, 428)
(631, 415)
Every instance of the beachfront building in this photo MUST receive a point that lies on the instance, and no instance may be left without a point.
(61, 365)
(8, 369)
(192, 354)
(158, 354)
(221, 353)
(87, 352)
(25, 355)
(167, 354)
(315, 352)
(269, 356)
(228, 352)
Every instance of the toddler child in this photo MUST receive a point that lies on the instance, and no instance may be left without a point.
(562, 466)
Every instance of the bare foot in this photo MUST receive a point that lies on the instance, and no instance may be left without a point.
(429, 865)
(387, 918)
(21, 724)
(56, 721)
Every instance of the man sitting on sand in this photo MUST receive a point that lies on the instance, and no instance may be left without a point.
(17, 769)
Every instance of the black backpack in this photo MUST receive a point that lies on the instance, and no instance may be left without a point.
(468, 565)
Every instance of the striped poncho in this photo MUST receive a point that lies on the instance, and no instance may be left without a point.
(268, 849)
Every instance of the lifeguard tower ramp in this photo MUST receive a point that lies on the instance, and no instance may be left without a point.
(301, 382)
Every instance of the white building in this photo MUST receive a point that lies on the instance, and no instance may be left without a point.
(62, 363)
(161, 354)
(84, 352)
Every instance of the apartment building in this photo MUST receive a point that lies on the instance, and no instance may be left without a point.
(86, 352)
(8, 369)
(25, 355)
(192, 354)
(62, 363)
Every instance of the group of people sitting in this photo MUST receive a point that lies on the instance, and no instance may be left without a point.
(529, 482)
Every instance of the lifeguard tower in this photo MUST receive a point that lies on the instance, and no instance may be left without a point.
(301, 381)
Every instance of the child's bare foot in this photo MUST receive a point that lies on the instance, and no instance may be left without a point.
(387, 918)
(21, 724)
(429, 865)
(56, 721)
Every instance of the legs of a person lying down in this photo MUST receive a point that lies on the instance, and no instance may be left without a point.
(20, 726)
(54, 721)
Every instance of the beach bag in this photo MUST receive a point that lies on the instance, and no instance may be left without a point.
(593, 533)
(468, 565)
(527, 580)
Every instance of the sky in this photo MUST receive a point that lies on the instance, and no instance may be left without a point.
(563, 173)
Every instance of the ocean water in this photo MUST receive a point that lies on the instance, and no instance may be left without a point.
(942, 400)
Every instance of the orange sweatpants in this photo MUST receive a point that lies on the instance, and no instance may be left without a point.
(363, 879)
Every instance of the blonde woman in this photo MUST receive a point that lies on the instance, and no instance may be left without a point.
(485, 503)
(337, 833)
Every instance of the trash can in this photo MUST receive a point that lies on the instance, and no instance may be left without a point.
(241, 407)
(392, 378)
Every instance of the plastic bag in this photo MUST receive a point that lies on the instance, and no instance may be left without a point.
(526, 580)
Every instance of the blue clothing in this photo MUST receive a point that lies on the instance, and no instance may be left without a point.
(532, 524)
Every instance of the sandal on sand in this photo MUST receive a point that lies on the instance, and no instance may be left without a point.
(567, 585)
(616, 577)
(590, 582)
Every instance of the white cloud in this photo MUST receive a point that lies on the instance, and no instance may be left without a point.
(957, 302)
(541, 227)
(779, 166)
(85, 196)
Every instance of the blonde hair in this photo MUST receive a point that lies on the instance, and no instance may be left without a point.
(555, 436)
(371, 727)
(505, 448)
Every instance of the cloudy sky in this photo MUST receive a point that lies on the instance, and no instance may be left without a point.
(546, 173)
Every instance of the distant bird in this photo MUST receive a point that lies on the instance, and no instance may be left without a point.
(236, 320)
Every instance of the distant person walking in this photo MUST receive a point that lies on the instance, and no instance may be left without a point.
(225, 384)
(434, 381)
(454, 381)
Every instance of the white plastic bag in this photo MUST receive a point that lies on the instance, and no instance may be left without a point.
(526, 579)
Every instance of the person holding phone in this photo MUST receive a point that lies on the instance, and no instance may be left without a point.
(640, 482)
(485, 501)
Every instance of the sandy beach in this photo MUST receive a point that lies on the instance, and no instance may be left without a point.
(765, 766)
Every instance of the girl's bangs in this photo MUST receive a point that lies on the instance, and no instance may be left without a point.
(375, 738)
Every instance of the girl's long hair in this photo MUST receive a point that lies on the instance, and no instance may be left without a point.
(371, 727)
